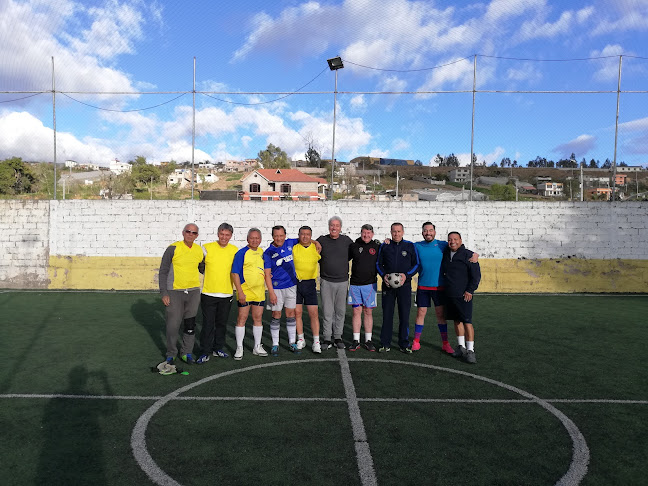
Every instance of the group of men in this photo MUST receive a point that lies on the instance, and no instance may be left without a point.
(448, 276)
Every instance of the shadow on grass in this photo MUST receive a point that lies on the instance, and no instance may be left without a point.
(72, 451)
(150, 315)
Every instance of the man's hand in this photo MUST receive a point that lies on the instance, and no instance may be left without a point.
(387, 241)
(474, 258)
(166, 300)
(385, 280)
(318, 246)
(241, 298)
(403, 277)
(273, 297)
(467, 296)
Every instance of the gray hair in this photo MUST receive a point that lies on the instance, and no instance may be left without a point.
(254, 230)
(190, 224)
(335, 218)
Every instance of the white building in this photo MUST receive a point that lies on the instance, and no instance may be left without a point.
(117, 167)
(460, 174)
(550, 189)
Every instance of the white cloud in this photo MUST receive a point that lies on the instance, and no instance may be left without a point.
(358, 102)
(580, 146)
(539, 28)
(526, 72)
(400, 144)
(494, 156)
(623, 16)
(609, 70)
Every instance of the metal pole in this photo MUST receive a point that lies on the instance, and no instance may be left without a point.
(396, 184)
(54, 122)
(582, 187)
(193, 129)
(333, 148)
(472, 129)
(616, 130)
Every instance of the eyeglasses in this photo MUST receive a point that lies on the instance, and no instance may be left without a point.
(191, 232)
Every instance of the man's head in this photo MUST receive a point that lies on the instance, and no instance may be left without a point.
(397, 232)
(454, 240)
(335, 226)
(305, 235)
(366, 233)
(225, 232)
(428, 231)
(189, 234)
(254, 238)
(278, 235)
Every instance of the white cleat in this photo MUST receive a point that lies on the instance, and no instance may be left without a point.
(239, 353)
(301, 344)
(317, 348)
(259, 351)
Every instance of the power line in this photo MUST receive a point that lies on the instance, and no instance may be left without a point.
(408, 70)
(23, 98)
(123, 111)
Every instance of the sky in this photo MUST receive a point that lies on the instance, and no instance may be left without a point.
(124, 73)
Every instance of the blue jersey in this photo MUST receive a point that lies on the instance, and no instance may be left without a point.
(430, 255)
(280, 262)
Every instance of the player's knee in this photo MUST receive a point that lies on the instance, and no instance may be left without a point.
(190, 325)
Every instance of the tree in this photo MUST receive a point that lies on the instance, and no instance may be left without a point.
(451, 161)
(142, 172)
(438, 160)
(607, 164)
(313, 157)
(593, 164)
(506, 162)
(273, 158)
(15, 176)
(502, 192)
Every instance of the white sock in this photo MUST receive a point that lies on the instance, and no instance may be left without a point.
(258, 332)
(315, 338)
(291, 327)
(461, 341)
(300, 337)
(240, 334)
(470, 345)
(367, 336)
(356, 336)
(274, 331)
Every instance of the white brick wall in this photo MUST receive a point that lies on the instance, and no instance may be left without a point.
(31, 230)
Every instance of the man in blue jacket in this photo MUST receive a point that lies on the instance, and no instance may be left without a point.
(398, 257)
(462, 279)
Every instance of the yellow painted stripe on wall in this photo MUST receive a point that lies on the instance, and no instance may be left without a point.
(498, 275)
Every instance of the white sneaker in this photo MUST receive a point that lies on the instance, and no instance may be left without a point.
(301, 344)
(317, 348)
(259, 351)
(239, 352)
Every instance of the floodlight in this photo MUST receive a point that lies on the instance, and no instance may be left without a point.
(335, 63)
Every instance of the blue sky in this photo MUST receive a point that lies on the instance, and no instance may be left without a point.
(388, 46)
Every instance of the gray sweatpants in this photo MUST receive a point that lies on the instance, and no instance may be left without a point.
(334, 296)
(183, 306)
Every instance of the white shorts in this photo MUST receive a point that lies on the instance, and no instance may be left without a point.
(285, 298)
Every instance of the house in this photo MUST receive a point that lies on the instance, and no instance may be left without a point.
(70, 164)
(117, 167)
(182, 177)
(629, 168)
(550, 189)
(276, 184)
(240, 165)
(600, 193)
(460, 174)
(620, 179)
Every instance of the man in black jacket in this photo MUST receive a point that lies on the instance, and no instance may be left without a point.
(363, 254)
(462, 279)
(398, 257)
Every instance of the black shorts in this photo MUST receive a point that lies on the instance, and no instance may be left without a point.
(307, 292)
(425, 297)
(258, 303)
(458, 310)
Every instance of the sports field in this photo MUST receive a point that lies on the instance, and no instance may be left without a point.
(559, 395)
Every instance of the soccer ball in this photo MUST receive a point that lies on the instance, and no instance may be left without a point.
(394, 280)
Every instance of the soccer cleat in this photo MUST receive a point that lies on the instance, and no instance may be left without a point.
(416, 345)
(221, 354)
(317, 348)
(460, 352)
(202, 359)
(406, 350)
(327, 345)
(259, 351)
(187, 358)
(354, 346)
(301, 344)
(339, 344)
(274, 351)
(447, 348)
(470, 357)
(294, 348)
(384, 349)
(369, 346)
(239, 353)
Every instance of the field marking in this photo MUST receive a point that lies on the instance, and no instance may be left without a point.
(363, 452)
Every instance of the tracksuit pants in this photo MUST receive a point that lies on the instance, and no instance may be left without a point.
(402, 295)
(215, 312)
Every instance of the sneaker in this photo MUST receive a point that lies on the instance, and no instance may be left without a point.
(202, 359)
(294, 348)
(187, 358)
(169, 360)
(447, 348)
(301, 344)
(416, 345)
(369, 346)
(406, 350)
(384, 349)
(354, 346)
(460, 352)
(317, 348)
(327, 345)
(259, 351)
(238, 354)
(470, 357)
(220, 354)
(274, 351)
(339, 343)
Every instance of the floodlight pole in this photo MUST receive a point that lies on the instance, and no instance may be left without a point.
(334, 120)
(616, 131)
(54, 122)
(472, 130)
(193, 130)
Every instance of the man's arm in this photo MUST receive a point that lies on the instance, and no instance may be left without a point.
(474, 277)
(163, 274)
(236, 279)
(414, 261)
(267, 275)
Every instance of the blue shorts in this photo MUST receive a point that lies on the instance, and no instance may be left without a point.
(307, 292)
(458, 310)
(363, 295)
(259, 304)
(424, 297)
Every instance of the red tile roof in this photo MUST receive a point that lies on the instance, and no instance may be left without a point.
(284, 175)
